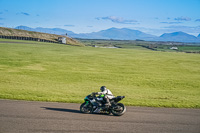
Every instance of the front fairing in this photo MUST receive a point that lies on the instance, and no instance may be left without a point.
(88, 98)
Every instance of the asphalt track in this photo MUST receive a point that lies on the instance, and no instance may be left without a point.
(48, 117)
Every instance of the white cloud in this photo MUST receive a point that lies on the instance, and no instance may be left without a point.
(170, 22)
(182, 18)
(23, 13)
(69, 25)
(116, 19)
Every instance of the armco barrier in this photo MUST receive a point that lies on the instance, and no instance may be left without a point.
(27, 38)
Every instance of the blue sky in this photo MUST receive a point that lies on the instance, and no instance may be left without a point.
(84, 16)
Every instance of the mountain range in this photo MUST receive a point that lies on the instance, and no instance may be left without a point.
(119, 34)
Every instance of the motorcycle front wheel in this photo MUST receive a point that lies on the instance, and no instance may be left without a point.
(86, 108)
(119, 109)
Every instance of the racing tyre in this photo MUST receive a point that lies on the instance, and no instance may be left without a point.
(85, 108)
(119, 109)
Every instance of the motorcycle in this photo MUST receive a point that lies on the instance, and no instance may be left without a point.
(94, 104)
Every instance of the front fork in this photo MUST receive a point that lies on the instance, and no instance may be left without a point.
(86, 103)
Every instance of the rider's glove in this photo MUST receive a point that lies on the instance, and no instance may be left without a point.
(94, 93)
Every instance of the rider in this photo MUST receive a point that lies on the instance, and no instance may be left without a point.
(107, 95)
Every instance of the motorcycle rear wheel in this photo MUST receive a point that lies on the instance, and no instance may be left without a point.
(119, 109)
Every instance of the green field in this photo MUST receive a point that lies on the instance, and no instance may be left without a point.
(55, 72)
(150, 45)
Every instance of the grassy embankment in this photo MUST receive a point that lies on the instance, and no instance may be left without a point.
(53, 72)
(24, 33)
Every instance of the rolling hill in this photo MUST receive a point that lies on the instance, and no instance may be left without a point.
(115, 33)
(28, 33)
(178, 36)
(119, 34)
(57, 31)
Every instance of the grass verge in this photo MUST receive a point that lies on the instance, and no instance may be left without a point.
(53, 72)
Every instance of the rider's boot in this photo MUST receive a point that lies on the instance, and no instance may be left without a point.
(107, 102)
